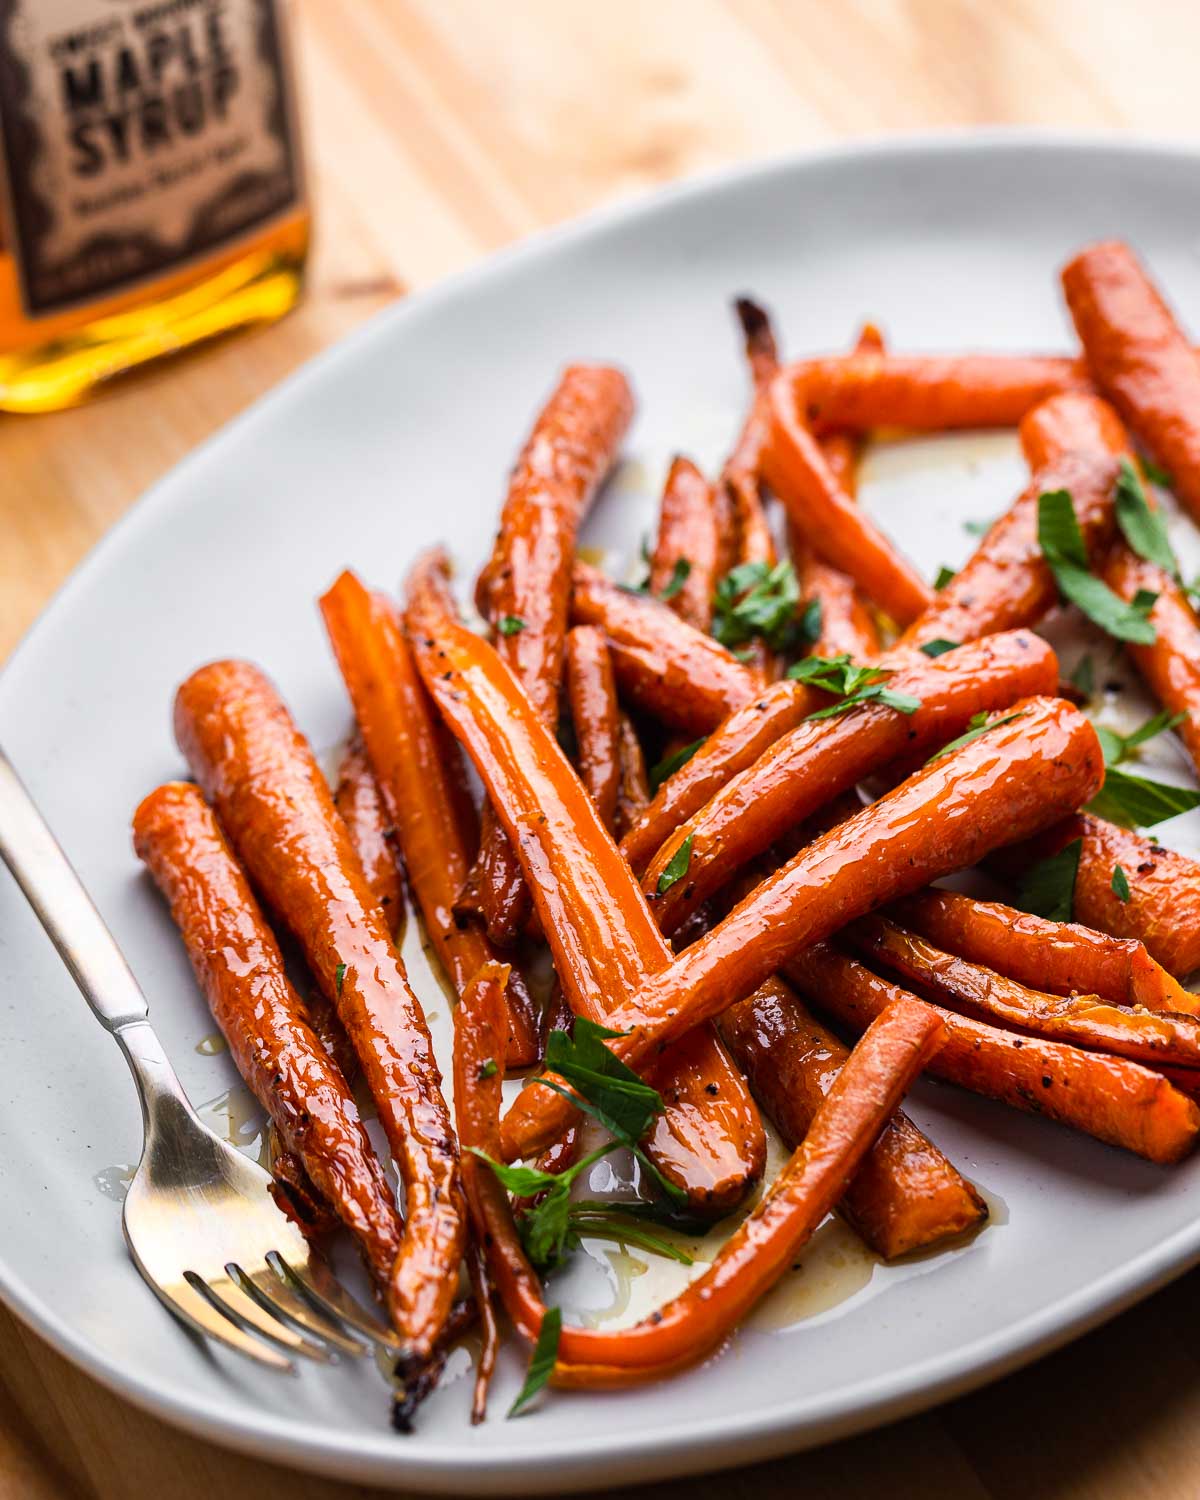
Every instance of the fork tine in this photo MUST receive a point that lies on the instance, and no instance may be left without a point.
(276, 1297)
(228, 1298)
(317, 1284)
(200, 1315)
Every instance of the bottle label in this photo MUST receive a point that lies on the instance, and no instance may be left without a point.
(139, 135)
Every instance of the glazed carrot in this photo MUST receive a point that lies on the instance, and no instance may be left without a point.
(419, 772)
(525, 588)
(813, 763)
(559, 1156)
(1065, 958)
(735, 744)
(682, 677)
(356, 797)
(1115, 1100)
(842, 446)
(795, 468)
(1017, 777)
(846, 625)
(1075, 443)
(1163, 910)
(1171, 666)
(633, 787)
(240, 969)
(1153, 1038)
(1139, 357)
(847, 1122)
(489, 1343)
(592, 694)
(273, 802)
(686, 562)
(926, 392)
(601, 934)
(905, 1196)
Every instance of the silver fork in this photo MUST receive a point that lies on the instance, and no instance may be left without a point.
(199, 1219)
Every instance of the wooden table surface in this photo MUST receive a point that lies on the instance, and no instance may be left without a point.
(438, 131)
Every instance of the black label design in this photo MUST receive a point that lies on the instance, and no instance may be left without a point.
(138, 135)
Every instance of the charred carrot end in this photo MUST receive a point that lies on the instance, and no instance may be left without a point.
(686, 561)
(831, 523)
(905, 1196)
(595, 716)
(1139, 357)
(1119, 1102)
(419, 772)
(238, 964)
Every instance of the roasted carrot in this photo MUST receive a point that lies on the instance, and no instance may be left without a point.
(419, 772)
(1163, 910)
(1115, 1100)
(905, 1196)
(813, 763)
(489, 1328)
(926, 392)
(795, 468)
(604, 942)
(1065, 958)
(1017, 777)
(675, 673)
(240, 969)
(1139, 357)
(1075, 443)
(847, 1122)
(686, 562)
(356, 797)
(592, 694)
(842, 446)
(525, 588)
(1150, 1037)
(273, 802)
(633, 787)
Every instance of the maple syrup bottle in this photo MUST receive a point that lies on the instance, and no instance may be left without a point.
(151, 185)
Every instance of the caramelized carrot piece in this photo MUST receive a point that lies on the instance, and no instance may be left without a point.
(273, 802)
(604, 942)
(240, 969)
(846, 1124)
(633, 788)
(1018, 777)
(525, 588)
(1063, 957)
(926, 392)
(1163, 910)
(356, 797)
(592, 694)
(419, 772)
(686, 562)
(1115, 1100)
(830, 522)
(811, 764)
(1139, 357)
(682, 677)
(1075, 443)
(1153, 1038)
(906, 1196)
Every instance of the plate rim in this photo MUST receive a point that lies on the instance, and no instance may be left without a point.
(679, 1450)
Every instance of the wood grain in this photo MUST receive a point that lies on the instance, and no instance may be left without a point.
(440, 130)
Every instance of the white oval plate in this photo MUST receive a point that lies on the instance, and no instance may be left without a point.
(400, 437)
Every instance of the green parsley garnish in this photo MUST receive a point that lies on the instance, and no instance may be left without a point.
(978, 528)
(940, 647)
(671, 763)
(339, 975)
(852, 684)
(1084, 676)
(1144, 529)
(510, 624)
(679, 576)
(678, 866)
(1048, 888)
(488, 1068)
(755, 599)
(1120, 884)
(977, 725)
(541, 1361)
(1135, 802)
(1156, 475)
(1116, 746)
(944, 575)
(1063, 548)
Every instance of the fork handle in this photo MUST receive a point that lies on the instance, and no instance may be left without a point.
(64, 908)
